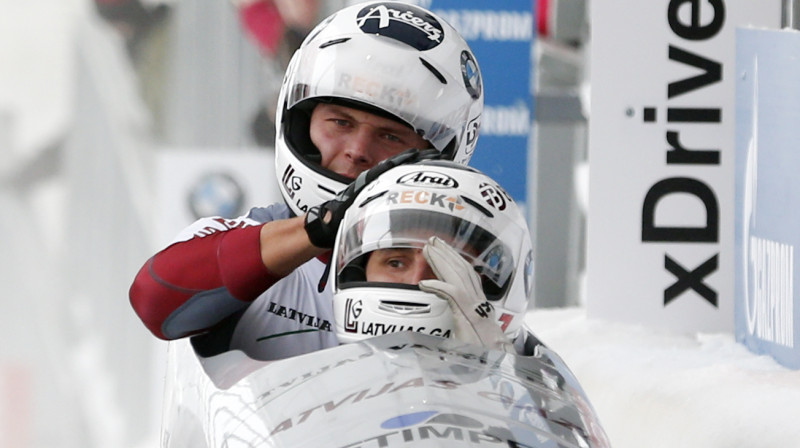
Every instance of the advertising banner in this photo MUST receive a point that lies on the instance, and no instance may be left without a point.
(768, 192)
(501, 34)
(226, 182)
(661, 154)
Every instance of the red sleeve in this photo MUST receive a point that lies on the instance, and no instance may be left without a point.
(226, 259)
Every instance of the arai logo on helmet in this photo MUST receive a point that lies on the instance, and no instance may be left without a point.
(406, 23)
(428, 179)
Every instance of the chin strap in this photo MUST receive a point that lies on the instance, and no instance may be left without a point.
(323, 281)
(459, 284)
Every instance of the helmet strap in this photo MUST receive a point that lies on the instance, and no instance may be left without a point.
(323, 281)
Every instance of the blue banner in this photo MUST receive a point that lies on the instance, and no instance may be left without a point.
(501, 34)
(767, 307)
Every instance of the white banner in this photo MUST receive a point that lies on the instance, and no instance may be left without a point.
(227, 182)
(662, 157)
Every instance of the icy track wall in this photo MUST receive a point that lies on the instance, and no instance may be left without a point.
(76, 368)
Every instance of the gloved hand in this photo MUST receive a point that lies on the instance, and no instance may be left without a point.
(460, 285)
(322, 222)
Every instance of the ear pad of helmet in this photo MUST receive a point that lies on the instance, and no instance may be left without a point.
(355, 271)
(297, 124)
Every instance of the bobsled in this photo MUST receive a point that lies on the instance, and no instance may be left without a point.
(398, 390)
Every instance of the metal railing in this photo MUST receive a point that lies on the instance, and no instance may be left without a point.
(790, 17)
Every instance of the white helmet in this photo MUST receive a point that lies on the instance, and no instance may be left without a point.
(402, 208)
(390, 58)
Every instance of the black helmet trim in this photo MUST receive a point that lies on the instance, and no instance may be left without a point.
(405, 23)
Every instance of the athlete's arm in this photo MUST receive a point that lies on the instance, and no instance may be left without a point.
(222, 266)
(218, 266)
(285, 245)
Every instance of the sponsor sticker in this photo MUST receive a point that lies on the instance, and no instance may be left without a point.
(428, 179)
(402, 22)
(471, 75)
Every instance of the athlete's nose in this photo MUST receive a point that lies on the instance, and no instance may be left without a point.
(420, 270)
(358, 148)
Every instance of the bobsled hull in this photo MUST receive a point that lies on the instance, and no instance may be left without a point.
(398, 390)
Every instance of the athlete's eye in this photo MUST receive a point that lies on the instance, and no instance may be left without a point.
(393, 138)
(395, 263)
(341, 122)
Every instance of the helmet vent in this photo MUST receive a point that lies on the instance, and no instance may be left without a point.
(326, 190)
(334, 42)
(404, 308)
(372, 198)
(433, 70)
(481, 208)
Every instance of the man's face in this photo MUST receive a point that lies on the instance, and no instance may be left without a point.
(398, 265)
(351, 140)
(403, 264)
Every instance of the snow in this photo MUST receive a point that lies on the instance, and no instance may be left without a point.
(667, 389)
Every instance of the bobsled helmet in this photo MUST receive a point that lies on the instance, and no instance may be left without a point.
(392, 59)
(402, 209)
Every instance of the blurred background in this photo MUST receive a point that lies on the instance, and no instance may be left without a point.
(121, 121)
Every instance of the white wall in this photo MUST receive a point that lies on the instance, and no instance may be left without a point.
(76, 366)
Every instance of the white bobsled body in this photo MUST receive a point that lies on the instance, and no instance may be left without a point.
(399, 390)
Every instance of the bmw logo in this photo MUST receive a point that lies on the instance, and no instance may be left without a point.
(471, 75)
(216, 194)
